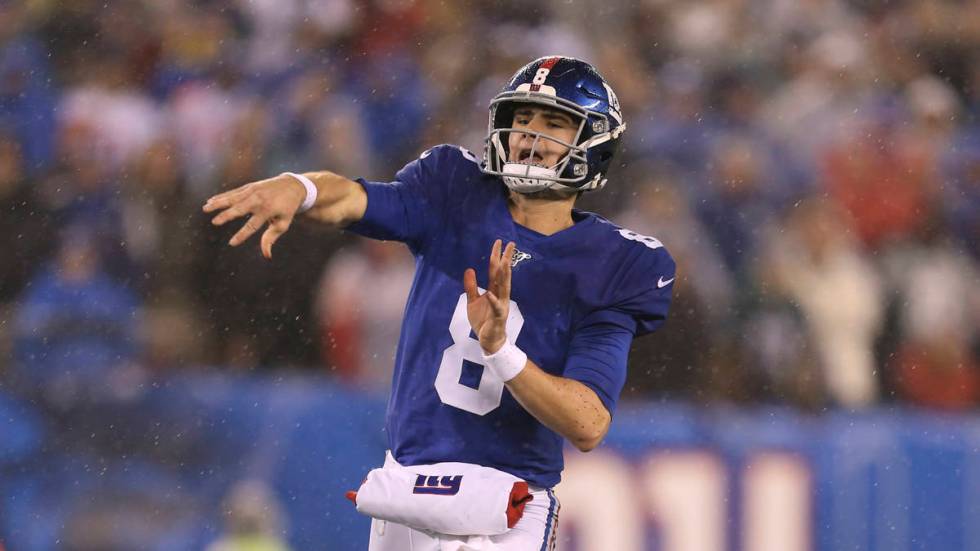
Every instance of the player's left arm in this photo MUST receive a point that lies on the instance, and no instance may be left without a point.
(564, 405)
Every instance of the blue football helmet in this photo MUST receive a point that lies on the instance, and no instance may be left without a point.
(573, 87)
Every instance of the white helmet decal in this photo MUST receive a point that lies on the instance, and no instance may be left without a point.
(614, 109)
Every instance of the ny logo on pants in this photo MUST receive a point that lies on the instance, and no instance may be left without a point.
(436, 485)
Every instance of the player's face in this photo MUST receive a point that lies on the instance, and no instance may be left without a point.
(550, 122)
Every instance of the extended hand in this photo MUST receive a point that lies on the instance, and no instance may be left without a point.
(488, 312)
(273, 201)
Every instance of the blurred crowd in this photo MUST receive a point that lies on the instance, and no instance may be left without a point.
(813, 165)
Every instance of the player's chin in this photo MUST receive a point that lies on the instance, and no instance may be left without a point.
(550, 194)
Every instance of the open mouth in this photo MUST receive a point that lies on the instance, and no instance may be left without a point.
(529, 157)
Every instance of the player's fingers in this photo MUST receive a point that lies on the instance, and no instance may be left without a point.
(227, 199)
(239, 208)
(252, 225)
(229, 193)
(272, 234)
(247, 203)
(495, 255)
(496, 305)
(229, 215)
(494, 265)
(469, 285)
(505, 271)
(508, 254)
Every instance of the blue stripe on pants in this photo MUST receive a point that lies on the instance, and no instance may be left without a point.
(549, 524)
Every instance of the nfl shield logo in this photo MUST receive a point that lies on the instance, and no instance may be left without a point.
(519, 256)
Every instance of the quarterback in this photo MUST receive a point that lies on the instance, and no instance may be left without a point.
(523, 308)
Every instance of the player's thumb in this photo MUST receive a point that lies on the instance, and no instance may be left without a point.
(469, 285)
(495, 304)
(271, 235)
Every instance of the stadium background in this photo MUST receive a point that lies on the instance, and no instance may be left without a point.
(814, 167)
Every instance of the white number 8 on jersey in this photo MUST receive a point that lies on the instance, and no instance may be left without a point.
(486, 397)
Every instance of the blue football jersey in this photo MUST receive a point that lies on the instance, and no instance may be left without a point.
(578, 298)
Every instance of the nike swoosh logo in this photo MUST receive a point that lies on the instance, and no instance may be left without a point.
(661, 283)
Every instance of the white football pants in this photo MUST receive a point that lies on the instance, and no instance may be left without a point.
(536, 531)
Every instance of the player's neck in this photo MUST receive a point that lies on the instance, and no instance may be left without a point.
(543, 215)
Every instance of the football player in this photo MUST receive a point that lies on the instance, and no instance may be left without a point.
(518, 324)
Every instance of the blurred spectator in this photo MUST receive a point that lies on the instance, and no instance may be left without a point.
(879, 187)
(158, 218)
(204, 116)
(360, 302)
(26, 228)
(161, 230)
(818, 100)
(27, 94)
(933, 111)
(395, 99)
(939, 316)
(82, 188)
(26, 231)
(76, 329)
(788, 18)
(739, 201)
(938, 287)
(675, 128)
(820, 268)
(122, 119)
(939, 372)
(197, 38)
(321, 127)
(253, 520)
(960, 196)
(972, 90)
(774, 357)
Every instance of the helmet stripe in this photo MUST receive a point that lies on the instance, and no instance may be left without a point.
(542, 73)
(549, 63)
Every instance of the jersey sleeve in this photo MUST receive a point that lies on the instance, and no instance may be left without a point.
(646, 291)
(412, 206)
(601, 341)
(597, 354)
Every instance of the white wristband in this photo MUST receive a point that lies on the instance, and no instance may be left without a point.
(310, 191)
(507, 362)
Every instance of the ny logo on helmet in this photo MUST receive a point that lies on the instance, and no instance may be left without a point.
(614, 109)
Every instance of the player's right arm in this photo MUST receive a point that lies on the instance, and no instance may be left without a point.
(274, 201)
